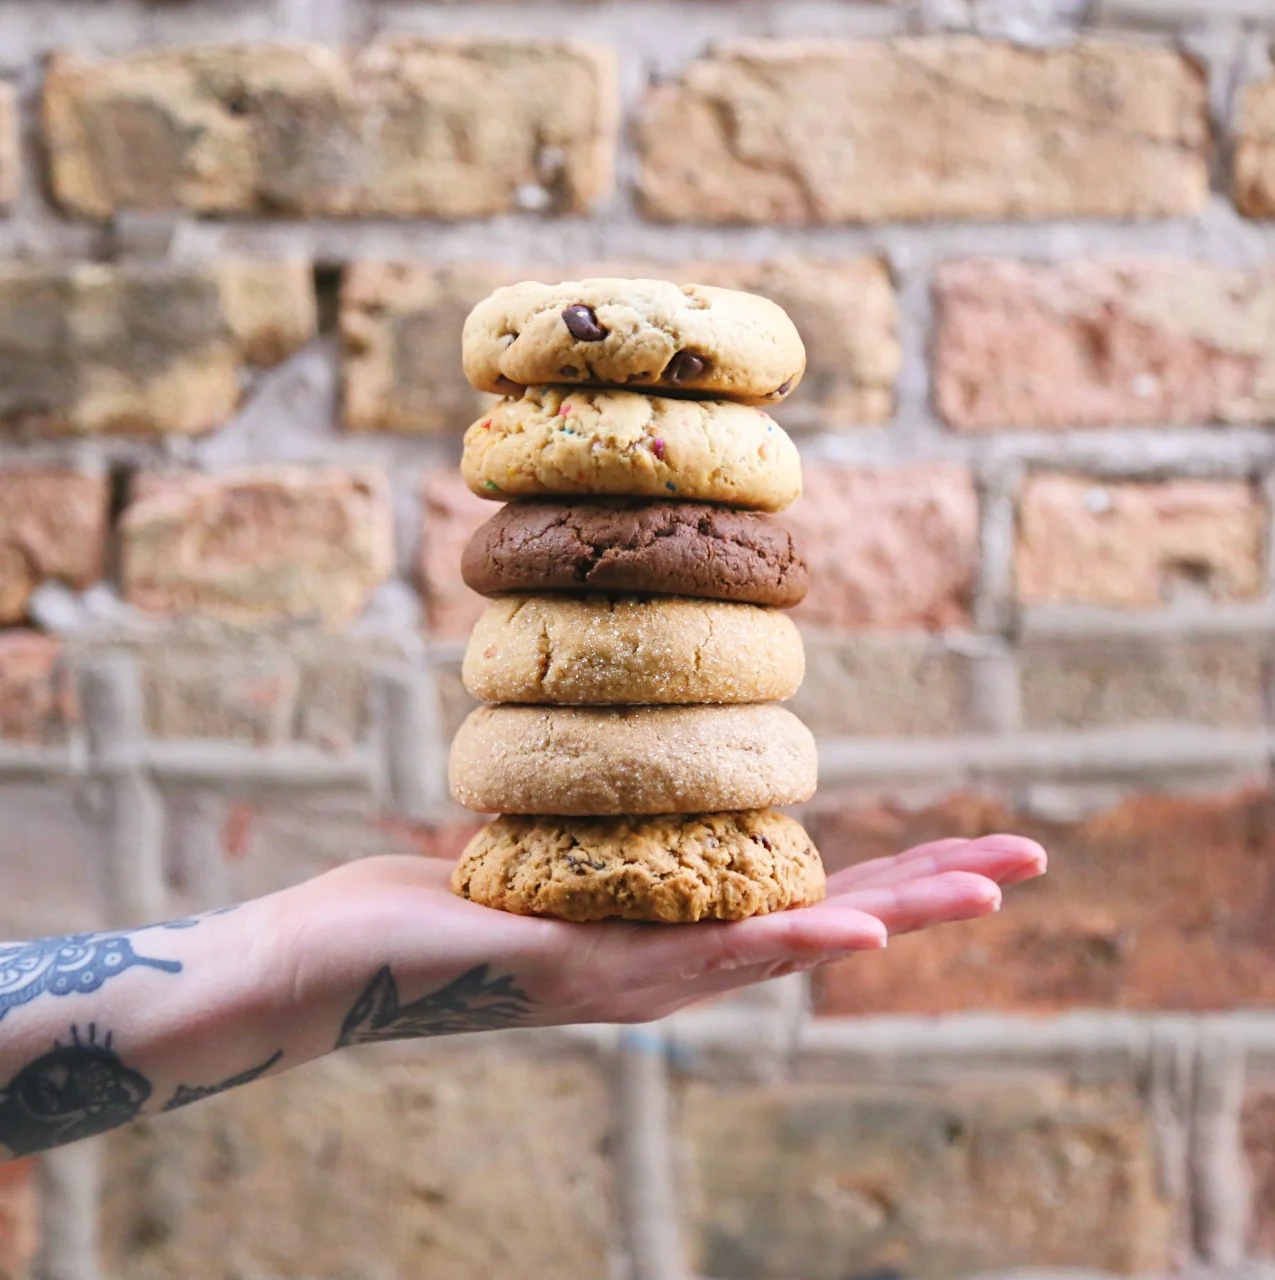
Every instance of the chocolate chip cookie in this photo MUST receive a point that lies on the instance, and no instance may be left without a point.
(675, 870)
(631, 545)
(596, 650)
(643, 334)
(604, 761)
(618, 443)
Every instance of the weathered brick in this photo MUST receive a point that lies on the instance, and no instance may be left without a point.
(888, 549)
(1138, 546)
(36, 702)
(19, 1219)
(1106, 681)
(403, 127)
(1097, 128)
(1258, 1127)
(400, 336)
(8, 144)
(1255, 151)
(882, 687)
(50, 862)
(455, 701)
(1090, 344)
(91, 348)
(269, 844)
(53, 524)
(1159, 902)
(401, 325)
(451, 515)
(466, 1161)
(259, 545)
(827, 1181)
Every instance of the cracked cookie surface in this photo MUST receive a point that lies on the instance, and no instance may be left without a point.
(618, 443)
(598, 650)
(605, 761)
(675, 870)
(644, 334)
(631, 545)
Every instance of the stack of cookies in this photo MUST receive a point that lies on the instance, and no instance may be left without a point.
(634, 649)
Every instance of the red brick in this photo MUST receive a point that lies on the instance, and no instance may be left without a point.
(53, 525)
(8, 144)
(1255, 150)
(404, 127)
(888, 548)
(1156, 903)
(1092, 344)
(451, 515)
(806, 132)
(828, 1181)
(19, 1219)
(35, 696)
(148, 350)
(1258, 1124)
(401, 327)
(1138, 546)
(259, 545)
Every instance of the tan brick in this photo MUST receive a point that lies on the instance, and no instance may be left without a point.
(91, 348)
(401, 325)
(1091, 344)
(890, 686)
(1255, 151)
(403, 127)
(1107, 681)
(1258, 1127)
(19, 1219)
(53, 525)
(400, 336)
(1138, 546)
(259, 545)
(9, 157)
(888, 549)
(802, 132)
(1159, 902)
(452, 1164)
(451, 515)
(36, 701)
(826, 1181)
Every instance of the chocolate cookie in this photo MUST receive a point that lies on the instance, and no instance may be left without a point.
(673, 870)
(643, 334)
(628, 545)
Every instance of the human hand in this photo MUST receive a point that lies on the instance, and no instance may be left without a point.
(396, 922)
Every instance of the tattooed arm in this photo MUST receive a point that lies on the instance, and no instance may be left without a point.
(98, 1029)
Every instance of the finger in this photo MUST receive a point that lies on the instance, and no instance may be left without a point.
(863, 872)
(918, 904)
(663, 955)
(1007, 860)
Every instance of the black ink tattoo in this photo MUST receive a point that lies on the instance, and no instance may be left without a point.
(186, 1095)
(74, 1091)
(189, 922)
(473, 1002)
(80, 963)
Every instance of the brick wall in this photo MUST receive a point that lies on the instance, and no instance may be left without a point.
(1030, 245)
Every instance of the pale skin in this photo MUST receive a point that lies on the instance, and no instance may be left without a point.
(97, 1030)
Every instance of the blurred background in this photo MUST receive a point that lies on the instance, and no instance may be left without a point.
(1029, 246)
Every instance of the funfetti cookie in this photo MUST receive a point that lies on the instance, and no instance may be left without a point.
(647, 335)
(618, 443)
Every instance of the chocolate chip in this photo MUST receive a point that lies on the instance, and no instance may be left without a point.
(583, 323)
(509, 386)
(684, 366)
(783, 388)
(569, 371)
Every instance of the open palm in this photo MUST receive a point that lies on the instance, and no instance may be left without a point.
(400, 912)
